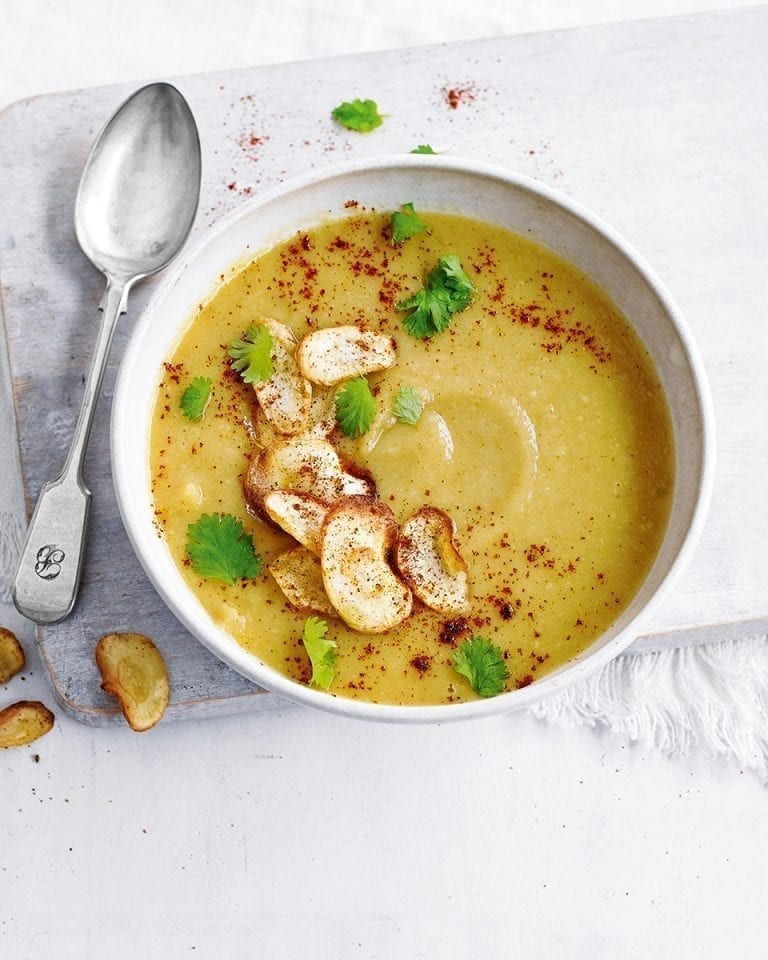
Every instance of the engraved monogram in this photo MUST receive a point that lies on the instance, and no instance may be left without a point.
(49, 561)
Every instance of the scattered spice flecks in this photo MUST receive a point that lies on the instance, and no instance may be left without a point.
(507, 611)
(451, 631)
(455, 96)
(422, 663)
(250, 143)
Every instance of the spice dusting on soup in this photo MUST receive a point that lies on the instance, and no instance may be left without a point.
(411, 458)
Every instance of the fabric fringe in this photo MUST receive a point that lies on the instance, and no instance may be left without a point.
(711, 695)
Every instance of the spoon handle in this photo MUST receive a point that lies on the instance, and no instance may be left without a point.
(48, 575)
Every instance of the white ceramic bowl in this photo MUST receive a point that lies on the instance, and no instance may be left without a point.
(433, 183)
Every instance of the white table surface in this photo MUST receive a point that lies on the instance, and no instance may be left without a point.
(296, 834)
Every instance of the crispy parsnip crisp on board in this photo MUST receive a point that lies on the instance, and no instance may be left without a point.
(134, 672)
(11, 655)
(24, 722)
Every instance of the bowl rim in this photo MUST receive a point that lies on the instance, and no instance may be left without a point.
(249, 665)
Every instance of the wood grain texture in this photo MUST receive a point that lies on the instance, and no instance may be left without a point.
(658, 126)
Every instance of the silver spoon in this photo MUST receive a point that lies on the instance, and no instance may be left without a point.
(135, 206)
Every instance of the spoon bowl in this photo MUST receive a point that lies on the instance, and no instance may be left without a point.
(138, 192)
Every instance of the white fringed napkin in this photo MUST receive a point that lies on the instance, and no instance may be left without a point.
(712, 695)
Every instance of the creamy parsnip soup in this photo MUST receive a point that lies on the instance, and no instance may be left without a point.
(424, 439)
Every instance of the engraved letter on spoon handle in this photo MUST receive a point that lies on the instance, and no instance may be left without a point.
(49, 570)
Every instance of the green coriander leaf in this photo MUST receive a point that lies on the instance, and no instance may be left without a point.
(252, 356)
(355, 407)
(482, 663)
(220, 549)
(360, 115)
(406, 223)
(455, 282)
(423, 148)
(408, 406)
(195, 398)
(429, 313)
(321, 652)
(447, 290)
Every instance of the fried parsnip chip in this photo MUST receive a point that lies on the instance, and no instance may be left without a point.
(304, 466)
(297, 573)
(286, 397)
(356, 539)
(299, 514)
(23, 722)
(334, 354)
(430, 563)
(321, 423)
(134, 672)
(11, 655)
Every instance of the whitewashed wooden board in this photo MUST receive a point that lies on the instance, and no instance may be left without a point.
(658, 126)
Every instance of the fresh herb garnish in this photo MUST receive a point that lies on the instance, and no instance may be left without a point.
(355, 407)
(360, 115)
(321, 652)
(423, 148)
(406, 223)
(252, 356)
(408, 406)
(483, 665)
(447, 290)
(195, 398)
(220, 549)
